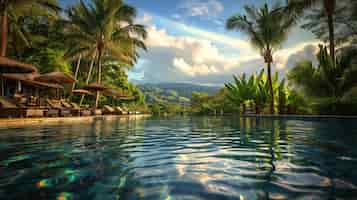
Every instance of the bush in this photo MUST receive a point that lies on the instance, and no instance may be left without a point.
(335, 106)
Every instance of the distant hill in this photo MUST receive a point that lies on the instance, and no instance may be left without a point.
(173, 92)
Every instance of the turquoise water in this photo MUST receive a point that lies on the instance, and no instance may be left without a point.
(181, 158)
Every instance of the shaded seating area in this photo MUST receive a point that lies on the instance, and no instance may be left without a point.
(26, 93)
(9, 109)
(57, 105)
(108, 110)
(83, 111)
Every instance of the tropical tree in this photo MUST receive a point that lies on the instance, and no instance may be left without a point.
(10, 10)
(267, 30)
(242, 90)
(328, 85)
(323, 11)
(105, 29)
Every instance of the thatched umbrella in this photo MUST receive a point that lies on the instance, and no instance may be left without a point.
(56, 77)
(96, 87)
(28, 79)
(82, 91)
(11, 66)
(126, 98)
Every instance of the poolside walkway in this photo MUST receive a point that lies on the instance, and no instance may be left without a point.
(303, 116)
(20, 122)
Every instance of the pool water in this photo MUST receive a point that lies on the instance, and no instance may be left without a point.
(181, 158)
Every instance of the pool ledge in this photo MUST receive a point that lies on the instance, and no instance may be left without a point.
(19, 122)
(303, 116)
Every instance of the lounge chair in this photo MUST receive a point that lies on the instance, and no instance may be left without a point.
(74, 111)
(127, 110)
(9, 109)
(83, 111)
(120, 111)
(108, 110)
(56, 104)
(97, 112)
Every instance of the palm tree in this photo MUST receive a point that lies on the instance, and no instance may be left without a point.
(267, 30)
(11, 9)
(298, 7)
(242, 90)
(105, 28)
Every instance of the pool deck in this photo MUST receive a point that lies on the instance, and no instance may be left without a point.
(20, 122)
(302, 116)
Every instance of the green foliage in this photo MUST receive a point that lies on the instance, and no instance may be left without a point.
(330, 87)
(17, 11)
(217, 104)
(325, 80)
(48, 60)
(255, 90)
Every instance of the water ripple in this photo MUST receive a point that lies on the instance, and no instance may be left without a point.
(181, 158)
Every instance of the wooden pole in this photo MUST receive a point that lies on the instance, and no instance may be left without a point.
(77, 70)
(2, 87)
(89, 75)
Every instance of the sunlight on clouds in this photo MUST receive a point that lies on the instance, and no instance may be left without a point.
(201, 55)
(195, 69)
(201, 8)
(282, 56)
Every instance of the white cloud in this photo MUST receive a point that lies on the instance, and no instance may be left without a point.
(197, 57)
(282, 57)
(202, 8)
(145, 19)
(193, 56)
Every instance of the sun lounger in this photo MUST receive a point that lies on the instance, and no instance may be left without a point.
(128, 111)
(97, 112)
(56, 104)
(108, 110)
(120, 111)
(9, 109)
(83, 111)
(74, 111)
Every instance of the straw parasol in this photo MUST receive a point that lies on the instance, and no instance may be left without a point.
(28, 79)
(111, 92)
(11, 66)
(81, 91)
(126, 98)
(56, 77)
(96, 87)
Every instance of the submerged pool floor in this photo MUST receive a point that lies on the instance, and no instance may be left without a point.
(191, 158)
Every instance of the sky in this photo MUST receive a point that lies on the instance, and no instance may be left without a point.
(188, 43)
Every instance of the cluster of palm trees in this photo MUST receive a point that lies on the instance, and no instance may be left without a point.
(104, 30)
(12, 10)
(101, 32)
(268, 28)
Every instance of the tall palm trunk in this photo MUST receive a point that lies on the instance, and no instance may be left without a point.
(270, 82)
(99, 76)
(77, 70)
(4, 32)
(243, 108)
(329, 8)
(89, 75)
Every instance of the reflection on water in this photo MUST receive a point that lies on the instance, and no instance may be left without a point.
(181, 158)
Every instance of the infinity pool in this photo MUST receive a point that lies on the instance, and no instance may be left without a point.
(181, 158)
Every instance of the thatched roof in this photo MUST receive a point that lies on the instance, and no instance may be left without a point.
(81, 91)
(126, 98)
(56, 77)
(11, 66)
(96, 87)
(28, 80)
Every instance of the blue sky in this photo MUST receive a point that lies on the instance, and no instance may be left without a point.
(188, 42)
